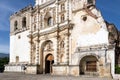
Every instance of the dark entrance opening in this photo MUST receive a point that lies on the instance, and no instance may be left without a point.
(88, 65)
(91, 66)
(49, 60)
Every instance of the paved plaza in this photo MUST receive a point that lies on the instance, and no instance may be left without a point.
(22, 76)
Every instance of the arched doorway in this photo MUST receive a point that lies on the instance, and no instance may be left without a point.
(47, 52)
(88, 65)
(49, 60)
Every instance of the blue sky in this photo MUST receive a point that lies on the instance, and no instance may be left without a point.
(110, 10)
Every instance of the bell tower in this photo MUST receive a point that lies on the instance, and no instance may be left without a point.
(38, 2)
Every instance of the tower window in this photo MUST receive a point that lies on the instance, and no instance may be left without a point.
(90, 1)
(15, 25)
(24, 22)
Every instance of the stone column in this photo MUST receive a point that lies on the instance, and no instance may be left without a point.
(38, 36)
(57, 37)
(31, 39)
(67, 9)
(37, 53)
(55, 51)
(67, 35)
(67, 48)
(112, 51)
(57, 4)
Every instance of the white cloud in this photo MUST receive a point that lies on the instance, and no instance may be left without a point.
(4, 48)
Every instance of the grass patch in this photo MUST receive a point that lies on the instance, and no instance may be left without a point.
(117, 69)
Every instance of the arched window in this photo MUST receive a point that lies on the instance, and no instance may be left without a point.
(62, 18)
(24, 22)
(15, 25)
(49, 21)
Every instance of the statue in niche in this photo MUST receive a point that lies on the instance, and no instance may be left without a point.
(61, 58)
(62, 46)
(49, 46)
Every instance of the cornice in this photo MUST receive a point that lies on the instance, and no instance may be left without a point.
(26, 9)
(54, 29)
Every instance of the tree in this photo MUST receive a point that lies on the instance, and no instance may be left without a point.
(3, 61)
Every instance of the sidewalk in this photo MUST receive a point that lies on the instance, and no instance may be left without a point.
(21, 76)
(116, 76)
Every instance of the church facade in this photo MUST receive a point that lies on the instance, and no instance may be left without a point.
(62, 37)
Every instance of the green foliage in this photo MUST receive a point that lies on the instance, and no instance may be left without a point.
(3, 61)
(117, 69)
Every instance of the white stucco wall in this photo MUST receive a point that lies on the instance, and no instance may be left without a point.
(111, 60)
(12, 47)
(20, 47)
(100, 37)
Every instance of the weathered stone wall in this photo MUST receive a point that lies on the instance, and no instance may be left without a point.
(60, 70)
(31, 69)
(13, 68)
(83, 32)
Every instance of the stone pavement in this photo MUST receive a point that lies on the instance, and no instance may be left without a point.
(22, 76)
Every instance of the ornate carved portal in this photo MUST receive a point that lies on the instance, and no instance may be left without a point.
(47, 58)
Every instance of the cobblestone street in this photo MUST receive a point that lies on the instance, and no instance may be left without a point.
(21, 76)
